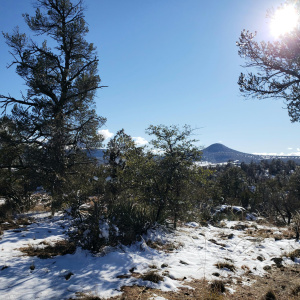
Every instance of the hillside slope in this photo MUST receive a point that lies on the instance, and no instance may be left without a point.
(218, 153)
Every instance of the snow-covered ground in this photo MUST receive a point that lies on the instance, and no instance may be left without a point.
(196, 252)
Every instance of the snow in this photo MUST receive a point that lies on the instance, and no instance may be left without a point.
(192, 224)
(197, 250)
(251, 217)
(233, 208)
(155, 297)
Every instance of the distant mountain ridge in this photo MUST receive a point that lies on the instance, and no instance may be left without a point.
(218, 153)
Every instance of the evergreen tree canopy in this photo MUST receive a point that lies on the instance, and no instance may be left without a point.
(274, 68)
(173, 172)
(56, 119)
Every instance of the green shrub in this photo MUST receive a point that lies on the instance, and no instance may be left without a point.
(122, 222)
(131, 221)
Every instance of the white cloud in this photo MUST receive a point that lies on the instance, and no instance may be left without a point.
(294, 153)
(279, 154)
(157, 151)
(140, 141)
(290, 148)
(105, 133)
(265, 153)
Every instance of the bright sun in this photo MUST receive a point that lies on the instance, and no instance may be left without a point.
(284, 20)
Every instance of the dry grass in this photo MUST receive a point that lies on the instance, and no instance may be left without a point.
(17, 224)
(40, 207)
(227, 265)
(284, 283)
(294, 254)
(269, 233)
(201, 289)
(85, 296)
(42, 202)
(218, 286)
(217, 243)
(167, 247)
(239, 227)
(296, 291)
(62, 247)
(152, 276)
(152, 266)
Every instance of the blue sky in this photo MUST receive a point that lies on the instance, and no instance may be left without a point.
(174, 62)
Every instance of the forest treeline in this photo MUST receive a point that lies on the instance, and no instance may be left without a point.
(140, 187)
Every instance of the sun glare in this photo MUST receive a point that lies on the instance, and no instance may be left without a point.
(284, 20)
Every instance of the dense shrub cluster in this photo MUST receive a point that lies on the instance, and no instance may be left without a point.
(138, 187)
(269, 188)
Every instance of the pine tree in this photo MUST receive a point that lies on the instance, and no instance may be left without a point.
(173, 173)
(273, 68)
(56, 119)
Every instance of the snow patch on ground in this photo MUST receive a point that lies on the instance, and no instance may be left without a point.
(197, 251)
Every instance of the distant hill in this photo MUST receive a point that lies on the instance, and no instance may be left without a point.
(218, 153)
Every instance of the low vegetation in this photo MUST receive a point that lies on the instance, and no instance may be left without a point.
(294, 254)
(46, 250)
(85, 296)
(270, 295)
(152, 276)
(218, 286)
(225, 265)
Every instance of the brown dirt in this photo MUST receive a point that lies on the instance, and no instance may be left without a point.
(283, 282)
(201, 290)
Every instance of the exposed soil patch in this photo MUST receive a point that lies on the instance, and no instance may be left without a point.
(284, 283)
(201, 289)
